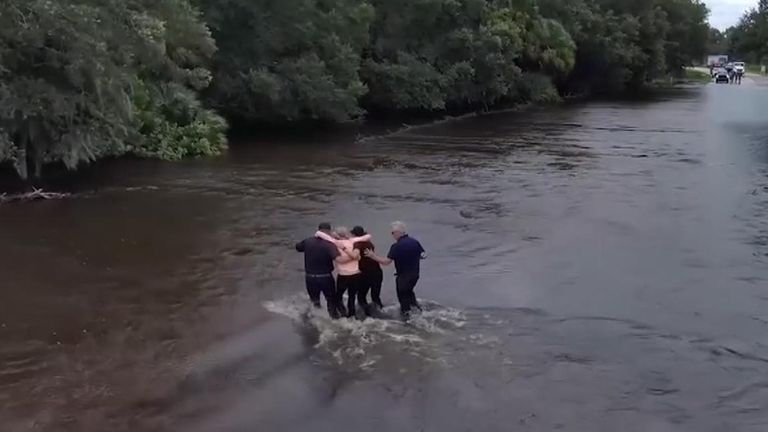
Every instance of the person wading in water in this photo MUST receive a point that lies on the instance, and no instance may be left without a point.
(371, 275)
(407, 254)
(349, 275)
(319, 258)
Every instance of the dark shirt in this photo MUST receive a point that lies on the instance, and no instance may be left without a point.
(406, 253)
(319, 255)
(367, 265)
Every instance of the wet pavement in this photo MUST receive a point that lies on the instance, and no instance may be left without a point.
(593, 267)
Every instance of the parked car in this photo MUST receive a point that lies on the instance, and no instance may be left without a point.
(739, 67)
(721, 76)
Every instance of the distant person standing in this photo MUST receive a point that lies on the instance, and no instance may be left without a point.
(407, 254)
(319, 259)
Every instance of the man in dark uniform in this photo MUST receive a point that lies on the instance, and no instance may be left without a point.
(407, 254)
(319, 258)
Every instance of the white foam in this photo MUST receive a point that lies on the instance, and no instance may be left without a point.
(349, 341)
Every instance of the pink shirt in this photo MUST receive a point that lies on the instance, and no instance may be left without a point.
(348, 268)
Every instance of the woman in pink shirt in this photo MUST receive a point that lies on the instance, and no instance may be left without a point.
(349, 277)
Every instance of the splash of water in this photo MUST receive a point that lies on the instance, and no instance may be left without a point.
(364, 343)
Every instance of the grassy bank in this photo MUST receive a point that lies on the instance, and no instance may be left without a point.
(696, 75)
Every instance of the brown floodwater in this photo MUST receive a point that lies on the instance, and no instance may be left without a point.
(593, 267)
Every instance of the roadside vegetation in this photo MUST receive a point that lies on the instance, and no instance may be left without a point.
(82, 80)
(696, 75)
(747, 41)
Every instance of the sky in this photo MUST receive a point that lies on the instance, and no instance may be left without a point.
(725, 13)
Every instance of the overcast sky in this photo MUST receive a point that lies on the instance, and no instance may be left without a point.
(725, 13)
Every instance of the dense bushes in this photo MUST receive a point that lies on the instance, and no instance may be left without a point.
(748, 40)
(85, 79)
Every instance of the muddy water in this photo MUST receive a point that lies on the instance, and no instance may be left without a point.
(597, 267)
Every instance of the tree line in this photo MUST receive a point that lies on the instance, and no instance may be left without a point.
(746, 41)
(86, 79)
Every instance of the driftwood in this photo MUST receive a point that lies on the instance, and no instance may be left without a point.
(34, 195)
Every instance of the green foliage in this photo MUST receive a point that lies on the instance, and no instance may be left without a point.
(289, 60)
(173, 124)
(623, 45)
(459, 54)
(717, 42)
(748, 40)
(68, 69)
(688, 33)
(537, 88)
(86, 79)
(696, 75)
(64, 81)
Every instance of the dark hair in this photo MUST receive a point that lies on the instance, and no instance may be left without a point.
(325, 226)
(358, 231)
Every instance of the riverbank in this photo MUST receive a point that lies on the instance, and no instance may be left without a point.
(61, 182)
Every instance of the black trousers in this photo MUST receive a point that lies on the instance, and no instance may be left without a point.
(351, 285)
(370, 282)
(405, 284)
(327, 286)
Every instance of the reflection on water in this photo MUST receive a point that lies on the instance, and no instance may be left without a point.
(592, 267)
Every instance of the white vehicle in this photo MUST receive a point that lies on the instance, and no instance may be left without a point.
(717, 60)
(739, 67)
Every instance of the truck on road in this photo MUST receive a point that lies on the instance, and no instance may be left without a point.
(717, 60)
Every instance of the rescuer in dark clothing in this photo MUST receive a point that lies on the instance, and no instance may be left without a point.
(406, 253)
(319, 258)
(371, 274)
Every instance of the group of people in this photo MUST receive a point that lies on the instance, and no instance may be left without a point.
(735, 75)
(352, 256)
(733, 72)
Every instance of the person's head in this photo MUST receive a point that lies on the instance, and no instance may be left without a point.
(358, 231)
(342, 232)
(324, 227)
(398, 229)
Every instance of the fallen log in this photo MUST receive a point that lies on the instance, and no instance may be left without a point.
(34, 195)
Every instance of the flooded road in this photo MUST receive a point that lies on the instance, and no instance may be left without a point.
(596, 267)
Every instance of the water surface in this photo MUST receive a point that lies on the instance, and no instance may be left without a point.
(595, 267)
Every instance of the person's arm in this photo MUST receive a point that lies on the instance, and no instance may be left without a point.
(385, 261)
(300, 246)
(423, 254)
(364, 238)
(326, 237)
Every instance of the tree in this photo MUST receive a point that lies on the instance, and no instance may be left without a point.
(717, 42)
(748, 39)
(688, 32)
(461, 54)
(288, 60)
(68, 70)
(623, 45)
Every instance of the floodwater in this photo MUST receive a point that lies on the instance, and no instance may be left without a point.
(594, 267)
